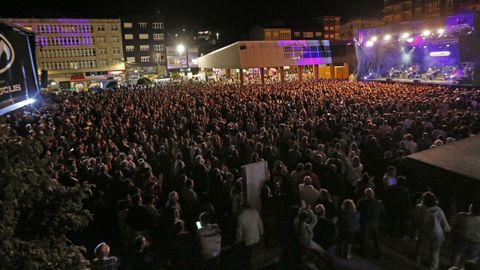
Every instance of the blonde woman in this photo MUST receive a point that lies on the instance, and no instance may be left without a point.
(348, 226)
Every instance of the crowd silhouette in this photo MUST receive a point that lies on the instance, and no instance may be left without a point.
(165, 165)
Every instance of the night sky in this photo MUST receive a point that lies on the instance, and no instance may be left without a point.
(226, 15)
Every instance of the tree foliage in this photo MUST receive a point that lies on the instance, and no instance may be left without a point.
(144, 81)
(36, 211)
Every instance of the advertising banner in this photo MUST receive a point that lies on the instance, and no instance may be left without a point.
(18, 71)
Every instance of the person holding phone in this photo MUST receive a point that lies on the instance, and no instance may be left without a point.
(209, 239)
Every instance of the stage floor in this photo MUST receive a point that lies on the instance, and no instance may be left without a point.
(436, 82)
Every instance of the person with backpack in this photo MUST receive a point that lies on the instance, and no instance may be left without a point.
(433, 226)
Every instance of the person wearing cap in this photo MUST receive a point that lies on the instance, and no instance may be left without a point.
(102, 261)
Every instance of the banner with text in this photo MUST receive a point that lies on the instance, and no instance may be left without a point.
(18, 71)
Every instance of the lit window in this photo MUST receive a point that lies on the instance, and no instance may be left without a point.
(129, 48)
(102, 63)
(130, 59)
(308, 34)
(157, 25)
(143, 36)
(144, 48)
(128, 36)
(145, 59)
(158, 37)
(127, 25)
(158, 48)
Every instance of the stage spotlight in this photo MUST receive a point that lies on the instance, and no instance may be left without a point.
(409, 40)
(441, 31)
(426, 33)
(387, 37)
(369, 44)
(425, 46)
(374, 38)
(405, 35)
(448, 45)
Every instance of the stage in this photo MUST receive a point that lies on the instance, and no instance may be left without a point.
(420, 81)
(438, 51)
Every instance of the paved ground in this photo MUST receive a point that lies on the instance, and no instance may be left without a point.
(396, 255)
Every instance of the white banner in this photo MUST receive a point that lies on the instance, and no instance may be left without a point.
(255, 176)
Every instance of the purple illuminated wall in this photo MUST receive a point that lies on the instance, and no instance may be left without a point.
(307, 52)
(78, 33)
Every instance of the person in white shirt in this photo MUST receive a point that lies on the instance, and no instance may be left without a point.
(249, 226)
(210, 239)
(249, 231)
(409, 144)
(307, 191)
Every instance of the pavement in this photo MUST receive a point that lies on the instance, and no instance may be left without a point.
(397, 254)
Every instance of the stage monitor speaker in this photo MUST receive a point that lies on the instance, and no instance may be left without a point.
(416, 81)
(44, 78)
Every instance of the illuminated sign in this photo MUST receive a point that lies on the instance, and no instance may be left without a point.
(440, 53)
(18, 70)
(116, 72)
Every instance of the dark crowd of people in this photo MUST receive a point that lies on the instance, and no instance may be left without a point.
(165, 163)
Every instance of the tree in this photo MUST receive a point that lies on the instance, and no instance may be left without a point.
(175, 76)
(144, 81)
(36, 211)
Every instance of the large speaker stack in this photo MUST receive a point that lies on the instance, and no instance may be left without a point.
(44, 78)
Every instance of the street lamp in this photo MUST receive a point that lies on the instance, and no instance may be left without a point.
(181, 49)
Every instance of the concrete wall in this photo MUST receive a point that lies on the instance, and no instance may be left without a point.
(254, 54)
(227, 57)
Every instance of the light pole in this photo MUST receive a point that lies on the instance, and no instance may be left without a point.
(181, 49)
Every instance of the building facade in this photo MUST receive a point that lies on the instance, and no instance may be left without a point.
(323, 27)
(349, 30)
(396, 11)
(331, 27)
(307, 34)
(473, 5)
(144, 46)
(77, 52)
(320, 28)
(277, 33)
